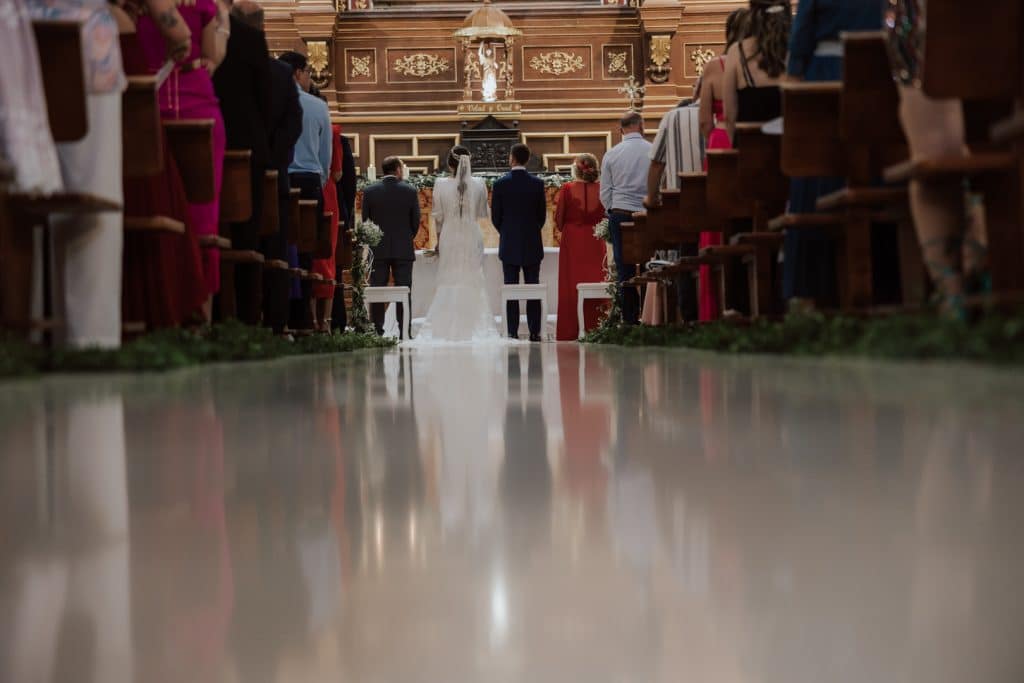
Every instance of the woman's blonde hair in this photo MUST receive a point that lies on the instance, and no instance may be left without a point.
(586, 168)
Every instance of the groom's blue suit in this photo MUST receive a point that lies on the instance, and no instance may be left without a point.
(519, 211)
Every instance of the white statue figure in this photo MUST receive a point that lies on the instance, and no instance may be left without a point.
(488, 72)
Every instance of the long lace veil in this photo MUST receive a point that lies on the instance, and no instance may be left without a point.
(462, 176)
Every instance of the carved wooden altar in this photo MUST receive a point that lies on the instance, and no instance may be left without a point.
(396, 76)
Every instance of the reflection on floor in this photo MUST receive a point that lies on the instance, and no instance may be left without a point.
(543, 513)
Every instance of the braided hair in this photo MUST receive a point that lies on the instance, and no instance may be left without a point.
(454, 156)
(769, 24)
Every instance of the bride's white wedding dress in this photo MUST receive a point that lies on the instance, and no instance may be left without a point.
(460, 312)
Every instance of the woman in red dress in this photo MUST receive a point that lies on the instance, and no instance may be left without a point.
(163, 272)
(323, 294)
(581, 255)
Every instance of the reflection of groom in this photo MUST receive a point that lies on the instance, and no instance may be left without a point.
(519, 211)
(395, 207)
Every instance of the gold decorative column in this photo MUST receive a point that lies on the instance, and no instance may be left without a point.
(660, 21)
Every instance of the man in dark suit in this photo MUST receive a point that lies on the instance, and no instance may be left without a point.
(395, 207)
(519, 211)
(346, 188)
(242, 85)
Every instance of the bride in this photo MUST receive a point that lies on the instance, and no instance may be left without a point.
(460, 311)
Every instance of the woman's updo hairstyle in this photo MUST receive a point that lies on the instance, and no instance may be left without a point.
(587, 168)
(769, 24)
(453, 156)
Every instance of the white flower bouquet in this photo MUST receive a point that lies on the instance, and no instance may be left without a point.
(602, 231)
(368, 233)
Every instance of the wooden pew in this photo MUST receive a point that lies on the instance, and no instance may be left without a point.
(142, 133)
(308, 226)
(236, 188)
(270, 218)
(191, 143)
(59, 44)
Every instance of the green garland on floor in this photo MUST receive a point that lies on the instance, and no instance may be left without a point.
(170, 349)
(995, 338)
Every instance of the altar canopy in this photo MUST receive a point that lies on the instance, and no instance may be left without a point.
(410, 77)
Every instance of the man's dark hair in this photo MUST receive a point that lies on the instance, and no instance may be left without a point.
(631, 119)
(296, 60)
(521, 153)
(390, 165)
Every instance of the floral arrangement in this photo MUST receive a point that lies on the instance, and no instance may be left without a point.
(365, 236)
(613, 316)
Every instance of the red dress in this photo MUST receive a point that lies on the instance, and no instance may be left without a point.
(581, 255)
(163, 272)
(707, 303)
(326, 266)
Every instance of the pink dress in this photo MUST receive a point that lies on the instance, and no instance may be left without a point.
(188, 94)
(707, 302)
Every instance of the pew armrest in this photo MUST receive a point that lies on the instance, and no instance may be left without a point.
(935, 168)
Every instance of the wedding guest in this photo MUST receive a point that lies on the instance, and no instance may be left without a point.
(756, 65)
(25, 144)
(323, 294)
(346, 189)
(677, 149)
(712, 100)
(310, 167)
(284, 126)
(952, 246)
(87, 247)
(162, 271)
(242, 84)
(395, 207)
(816, 54)
(624, 174)
(581, 256)
(188, 94)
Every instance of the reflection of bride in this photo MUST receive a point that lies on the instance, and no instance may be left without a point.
(460, 311)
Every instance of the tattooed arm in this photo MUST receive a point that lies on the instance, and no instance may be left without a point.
(174, 29)
(215, 37)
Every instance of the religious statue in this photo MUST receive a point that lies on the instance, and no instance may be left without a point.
(488, 72)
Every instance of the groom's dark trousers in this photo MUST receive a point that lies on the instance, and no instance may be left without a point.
(531, 276)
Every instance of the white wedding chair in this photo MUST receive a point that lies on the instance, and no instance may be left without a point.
(391, 295)
(524, 293)
(586, 291)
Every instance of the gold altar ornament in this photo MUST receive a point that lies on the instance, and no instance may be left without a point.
(634, 92)
(701, 56)
(319, 61)
(617, 62)
(557, 63)
(361, 67)
(661, 50)
(421, 65)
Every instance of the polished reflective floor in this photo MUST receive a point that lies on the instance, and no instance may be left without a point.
(534, 514)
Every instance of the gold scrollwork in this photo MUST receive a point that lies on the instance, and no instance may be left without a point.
(701, 56)
(422, 65)
(319, 62)
(557, 63)
(360, 67)
(617, 62)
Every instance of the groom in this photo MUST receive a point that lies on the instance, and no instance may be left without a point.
(519, 211)
(395, 207)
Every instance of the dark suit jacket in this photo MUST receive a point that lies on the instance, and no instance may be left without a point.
(284, 123)
(395, 207)
(347, 185)
(242, 82)
(519, 211)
